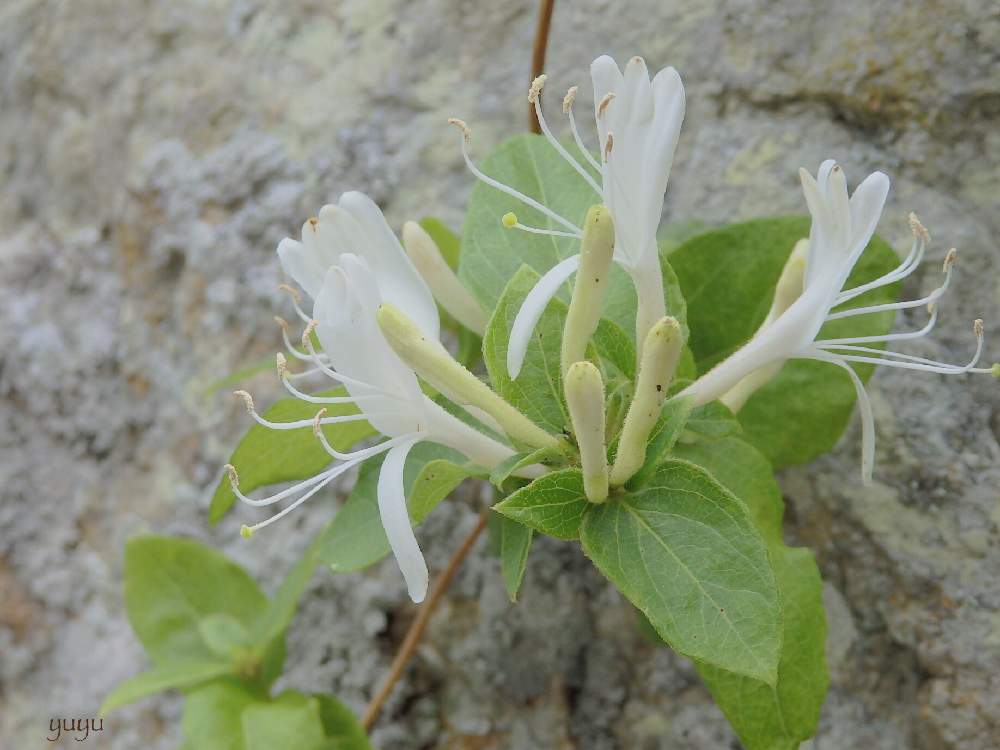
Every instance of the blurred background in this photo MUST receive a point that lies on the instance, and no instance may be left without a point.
(152, 155)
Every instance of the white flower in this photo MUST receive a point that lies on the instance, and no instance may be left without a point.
(348, 289)
(638, 123)
(841, 229)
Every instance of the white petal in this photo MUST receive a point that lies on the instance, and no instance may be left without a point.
(396, 522)
(607, 79)
(398, 280)
(823, 175)
(866, 209)
(637, 94)
(301, 265)
(531, 310)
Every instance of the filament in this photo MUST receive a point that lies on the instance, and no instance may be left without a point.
(560, 149)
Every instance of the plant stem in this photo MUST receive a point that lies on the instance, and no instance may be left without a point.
(419, 625)
(538, 54)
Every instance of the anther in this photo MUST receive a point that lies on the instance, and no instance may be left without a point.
(569, 99)
(509, 220)
(608, 145)
(317, 422)
(281, 322)
(608, 97)
(295, 293)
(313, 222)
(245, 531)
(460, 124)
(307, 333)
(977, 326)
(234, 478)
(536, 88)
(282, 365)
(247, 400)
(949, 260)
(918, 229)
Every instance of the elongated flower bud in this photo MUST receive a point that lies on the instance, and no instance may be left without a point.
(443, 282)
(431, 361)
(596, 249)
(660, 352)
(585, 398)
(788, 289)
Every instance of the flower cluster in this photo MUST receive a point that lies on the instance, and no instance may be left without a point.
(376, 320)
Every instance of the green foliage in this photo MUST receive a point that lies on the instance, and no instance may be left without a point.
(766, 717)
(179, 673)
(266, 456)
(355, 538)
(728, 277)
(553, 504)
(515, 543)
(685, 551)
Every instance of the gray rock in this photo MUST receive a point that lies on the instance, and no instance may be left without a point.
(153, 154)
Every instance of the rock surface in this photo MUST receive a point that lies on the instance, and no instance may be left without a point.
(152, 156)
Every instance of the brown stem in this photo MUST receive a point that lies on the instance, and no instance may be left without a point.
(538, 54)
(419, 625)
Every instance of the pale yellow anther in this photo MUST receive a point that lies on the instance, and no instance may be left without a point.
(282, 364)
(603, 105)
(949, 259)
(569, 99)
(918, 228)
(295, 293)
(307, 333)
(313, 223)
(318, 422)
(608, 145)
(509, 220)
(247, 400)
(281, 322)
(977, 326)
(536, 88)
(234, 478)
(460, 124)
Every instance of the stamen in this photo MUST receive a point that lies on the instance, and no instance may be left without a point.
(608, 145)
(248, 402)
(466, 137)
(282, 365)
(358, 454)
(568, 111)
(250, 530)
(509, 220)
(919, 229)
(234, 483)
(904, 269)
(930, 300)
(886, 338)
(534, 98)
(296, 299)
(334, 375)
(603, 105)
(288, 343)
(309, 398)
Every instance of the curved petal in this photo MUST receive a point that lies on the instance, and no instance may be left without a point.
(531, 310)
(866, 208)
(399, 281)
(607, 78)
(396, 522)
(637, 94)
(301, 265)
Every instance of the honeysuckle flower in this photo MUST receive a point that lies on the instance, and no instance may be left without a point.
(355, 355)
(638, 123)
(841, 229)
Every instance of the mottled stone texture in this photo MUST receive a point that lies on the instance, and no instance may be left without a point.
(152, 155)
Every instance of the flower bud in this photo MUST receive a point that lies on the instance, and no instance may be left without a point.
(584, 313)
(660, 353)
(432, 362)
(443, 282)
(585, 399)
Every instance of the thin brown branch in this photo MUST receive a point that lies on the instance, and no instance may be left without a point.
(419, 625)
(545, 8)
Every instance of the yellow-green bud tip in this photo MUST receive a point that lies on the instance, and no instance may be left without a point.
(246, 532)
(995, 370)
(509, 220)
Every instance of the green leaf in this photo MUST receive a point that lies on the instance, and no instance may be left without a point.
(175, 674)
(685, 551)
(343, 730)
(171, 584)
(515, 543)
(292, 720)
(713, 420)
(765, 717)
(728, 277)
(492, 254)
(537, 391)
(615, 348)
(355, 538)
(224, 635)
(502, 471)
(212, 715)
(266, 456)
(553, 504)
